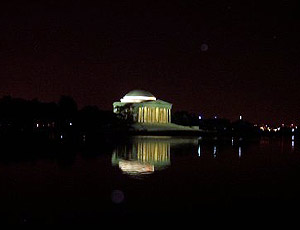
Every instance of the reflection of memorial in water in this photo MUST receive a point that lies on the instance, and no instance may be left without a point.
(146, 154)
(142, 155)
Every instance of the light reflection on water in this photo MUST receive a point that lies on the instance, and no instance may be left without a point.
(143, 155)
(153, 175)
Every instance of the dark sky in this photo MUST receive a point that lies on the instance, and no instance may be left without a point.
(211, 57)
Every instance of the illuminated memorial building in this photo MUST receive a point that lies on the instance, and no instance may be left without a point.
(142, 107)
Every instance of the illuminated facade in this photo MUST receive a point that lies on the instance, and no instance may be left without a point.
(141, 106)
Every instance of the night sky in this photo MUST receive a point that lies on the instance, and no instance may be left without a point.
(212, 57)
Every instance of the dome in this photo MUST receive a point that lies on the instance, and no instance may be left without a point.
(136, 96)
(138, 92)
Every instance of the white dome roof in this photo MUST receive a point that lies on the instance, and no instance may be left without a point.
(138, 92)
(137, 96)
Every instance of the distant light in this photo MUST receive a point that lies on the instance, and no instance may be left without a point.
(240, 151)
(61, 136)
(200, 117)
(293, 130)
(293, 138)
(215, 151)
(232, 141)
(70, 123)
(215, 117)
(199, 151)
(241, 117)
(37, 125)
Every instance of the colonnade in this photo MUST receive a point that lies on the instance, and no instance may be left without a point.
(154, 115)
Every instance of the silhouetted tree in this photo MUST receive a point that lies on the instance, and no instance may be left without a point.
(185, 118)
(220, 125)
(67, 106)
(92, 119)
(125, 113)
(244, 128)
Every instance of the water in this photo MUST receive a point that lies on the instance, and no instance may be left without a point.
(154, 177)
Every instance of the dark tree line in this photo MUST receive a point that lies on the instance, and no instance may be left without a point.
(219, 125)
(224, 126)
(56, 120)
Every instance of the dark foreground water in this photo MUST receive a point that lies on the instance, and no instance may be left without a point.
(147, 179)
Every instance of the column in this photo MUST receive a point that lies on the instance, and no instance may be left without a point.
(167, 115)
(153, 115)
(166, 111)
(145, 114)
(140, 114)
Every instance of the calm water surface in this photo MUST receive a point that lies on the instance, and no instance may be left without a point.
(153, 176)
